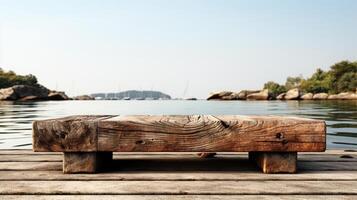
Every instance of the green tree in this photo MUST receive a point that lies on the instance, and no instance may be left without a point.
(10, 78)
(342, 77)
(347, 82)
(339, 71)
(274, 88)
(320, 81)
(293, 82)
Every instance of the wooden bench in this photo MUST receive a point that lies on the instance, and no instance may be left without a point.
(88, 141)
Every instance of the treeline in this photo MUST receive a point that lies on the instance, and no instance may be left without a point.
(10, 78)
(342, 77)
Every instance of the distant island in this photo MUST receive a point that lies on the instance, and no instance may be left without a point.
(132, 95)
(338, 83)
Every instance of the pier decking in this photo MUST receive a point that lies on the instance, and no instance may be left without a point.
(329, 175)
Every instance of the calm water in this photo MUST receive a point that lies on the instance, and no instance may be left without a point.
(340, 116)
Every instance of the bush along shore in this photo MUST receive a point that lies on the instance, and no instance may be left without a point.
(14, 87)
(338, 83)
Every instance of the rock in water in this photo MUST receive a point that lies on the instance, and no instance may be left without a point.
(83, 97)
(262, 95)
(281, 96)
(242, 95)
(56, 95)
(307, 96)
(333, 97)
(347, 96)
(343, 96)
(30, 93)
(220, 95)
(24, 92)
(292, 94)
(320, 96)
(8, 94)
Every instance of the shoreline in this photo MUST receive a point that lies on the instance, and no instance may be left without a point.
(293, 94)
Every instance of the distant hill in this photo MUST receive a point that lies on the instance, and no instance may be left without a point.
(133, 94)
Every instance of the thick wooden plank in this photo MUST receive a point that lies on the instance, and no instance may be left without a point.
(59, 158)
(70, 134)
(275, 162)
(31, 152)
(178, 176)
(179, 197)
(179, 187)
(206, 133)
(179, 133)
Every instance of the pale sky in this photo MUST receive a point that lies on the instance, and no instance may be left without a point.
(83, 47)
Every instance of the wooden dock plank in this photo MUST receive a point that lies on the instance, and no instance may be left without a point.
(181, 165)
(178, 176)
(179, 197)
(179, 187)
(25, 175)
(30, 166)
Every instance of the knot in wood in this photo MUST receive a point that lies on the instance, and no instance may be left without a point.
(279, 136)
(140, 142)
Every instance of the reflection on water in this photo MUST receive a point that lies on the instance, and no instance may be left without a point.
(341, 116)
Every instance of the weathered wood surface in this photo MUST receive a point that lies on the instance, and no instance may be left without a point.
(160, 165)
(275, 162)
(69, 134)
(27, 152)
(180, 133)
(193, 175)
(343, 157)
(179, 187)
(181, 197)
(87, 162)
(150, 176)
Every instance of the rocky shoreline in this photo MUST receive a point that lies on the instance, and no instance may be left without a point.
(30, 93)
(36, 93)
(293, 94)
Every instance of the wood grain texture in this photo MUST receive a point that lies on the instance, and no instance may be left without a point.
(207, 133)
(85, 162)
(336, 152)
(150, 175)
(179, 187)
(74, 162)
(343, 157)
(275, 162)
(140, 177)
(160, 165)
(179, 197)
(69, 134)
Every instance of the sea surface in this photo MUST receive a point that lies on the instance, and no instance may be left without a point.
(16, 117)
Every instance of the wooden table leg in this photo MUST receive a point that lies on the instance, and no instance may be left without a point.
(85, 162)
(275, 162)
